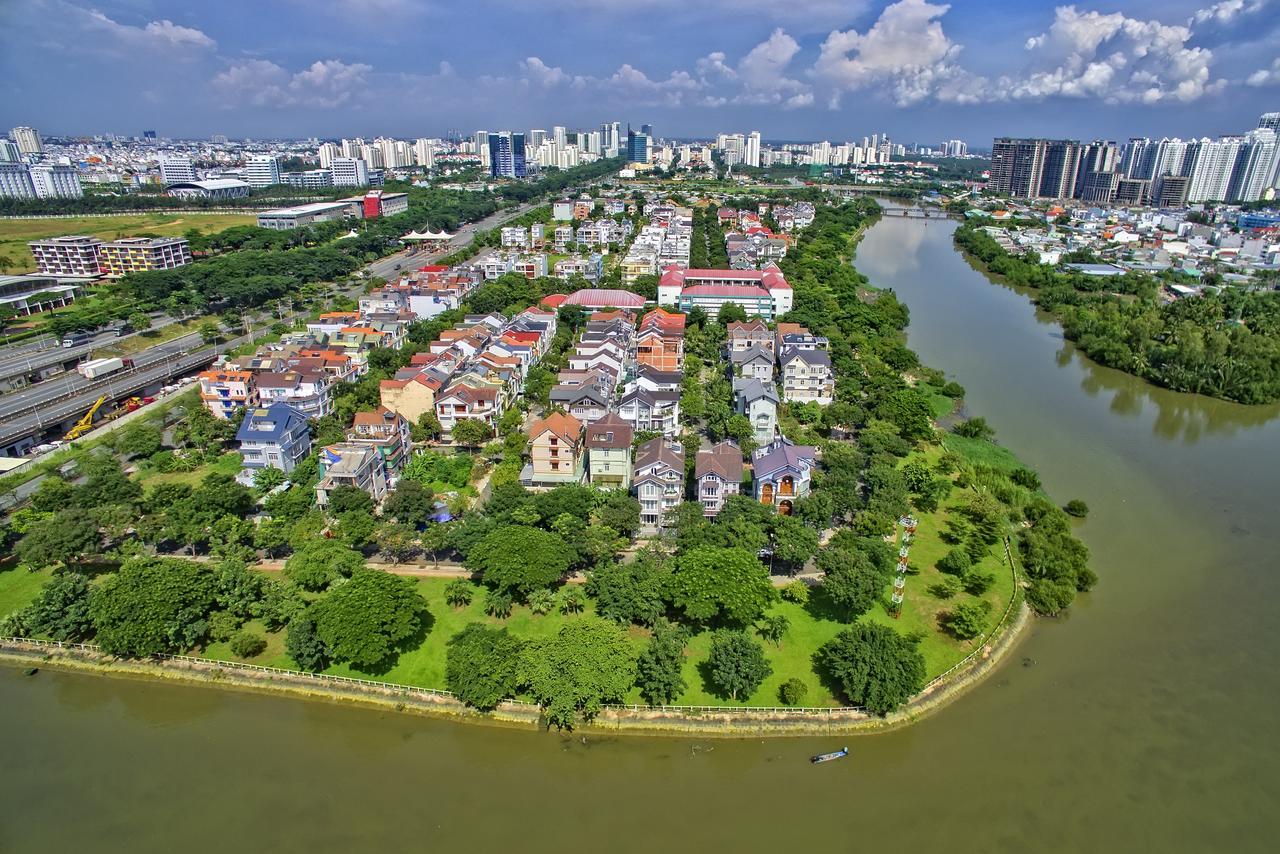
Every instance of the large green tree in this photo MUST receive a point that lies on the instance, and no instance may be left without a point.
(633, 592)
(588, 663)
(719, 584)
(482, 665)
(61, 611)
(60, 539)
(659, 668)
(875, 667)
(319, 562)
(364, 620)
(153, 605)
(736, 664)
(519, 559)
(850, 580)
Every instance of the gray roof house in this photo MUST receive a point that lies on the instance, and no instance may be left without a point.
(275, 436)
(759, 402)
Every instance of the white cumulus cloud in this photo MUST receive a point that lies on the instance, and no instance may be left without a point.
(324, 84)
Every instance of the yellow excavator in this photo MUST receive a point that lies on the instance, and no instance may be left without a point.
(84, 425)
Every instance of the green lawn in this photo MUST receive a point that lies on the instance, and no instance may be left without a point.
(980, 452)
(228, 463)
(15, 233)
(18, 588)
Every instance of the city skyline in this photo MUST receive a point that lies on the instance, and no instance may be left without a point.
(817, 70)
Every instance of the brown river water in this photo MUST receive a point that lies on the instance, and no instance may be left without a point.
(1144, 720)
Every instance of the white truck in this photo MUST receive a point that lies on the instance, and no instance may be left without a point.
(95, 368)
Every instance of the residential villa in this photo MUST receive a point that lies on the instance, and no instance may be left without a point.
(351, 464)
(754, 362)
(275, 436)
(386, 432)
(651, 410)
(781, 473)
(224, 391)
(746, 334)
(659, 481)
(609, 452)
(555, 451)
(807, 376)
(759, 402)
(719, 475)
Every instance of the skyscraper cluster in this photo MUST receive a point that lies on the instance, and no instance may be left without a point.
(1167, 172)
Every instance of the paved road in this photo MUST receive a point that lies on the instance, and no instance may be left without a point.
(36, 408)
(20, 360)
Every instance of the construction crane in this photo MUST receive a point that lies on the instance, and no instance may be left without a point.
(84, 425)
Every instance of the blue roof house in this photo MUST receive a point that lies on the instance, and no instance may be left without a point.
(275, 436)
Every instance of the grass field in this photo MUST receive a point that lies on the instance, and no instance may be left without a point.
(15, 233)
(18, 588)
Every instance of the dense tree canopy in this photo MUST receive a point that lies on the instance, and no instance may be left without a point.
(729, 585)
(153, 605)
(875, 667)
(520, 559)
(483, 665)
(588, 663)
(366, 619)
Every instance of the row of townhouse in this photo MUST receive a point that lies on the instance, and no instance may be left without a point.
(376, 450)
(474, 371)
(781, 474)
(429, 290)
(299, 374)
(802, 359)
(603, 357)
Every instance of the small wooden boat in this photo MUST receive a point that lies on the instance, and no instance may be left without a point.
(827, 757)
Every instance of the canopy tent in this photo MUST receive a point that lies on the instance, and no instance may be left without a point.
(427, 235)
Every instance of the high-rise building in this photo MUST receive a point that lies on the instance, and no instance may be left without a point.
(560, 136)
(1171, 191)
(637, 147)
(9, 152)
(1256, 166)
(1035, 168)
(1270, 121)
(752, 156)
(537, 136)
(262, 170)
(149, 136)
(482, 145)
(1213, 162)
(327, 152)
(506, 154)
(176, 169)
(15, 182)
(424, 153)
(1096, 174)
(647, 130)
(349, 172)
(594, 143)
(56, 182)
(352, 147)
(28, 140)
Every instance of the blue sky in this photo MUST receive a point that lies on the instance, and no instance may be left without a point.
(920, 70)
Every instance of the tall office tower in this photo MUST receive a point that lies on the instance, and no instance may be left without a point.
(637, 147)
(149, 136)
(352, 147)
(481, 139)
(372, 155)
(1270, 121)
(176, 168)
(752, 156)
(1016, 166)
(15, 182)
(424, 153)
(56, 182)
(1256, 166)
(647, 130)
(560, 136)
(506, 154)
(349, 172)
(537, 136)
(327, 152)
(262, 170)
(28, 140)
(9, 152)
(615, 138)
